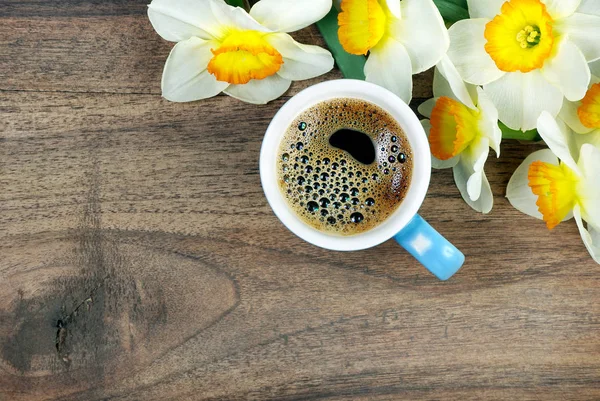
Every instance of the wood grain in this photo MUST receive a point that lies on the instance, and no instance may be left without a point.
(140, 260)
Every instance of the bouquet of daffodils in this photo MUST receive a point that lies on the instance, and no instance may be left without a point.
(519, 69)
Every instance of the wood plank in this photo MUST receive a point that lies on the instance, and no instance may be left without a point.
(72, 8)
(141, 225)
(120, 54)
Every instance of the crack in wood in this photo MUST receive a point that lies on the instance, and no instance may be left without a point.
(61, 324)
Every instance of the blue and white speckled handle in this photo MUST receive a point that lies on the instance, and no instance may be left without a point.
(428, 246)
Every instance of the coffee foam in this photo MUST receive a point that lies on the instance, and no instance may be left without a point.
(325, 186)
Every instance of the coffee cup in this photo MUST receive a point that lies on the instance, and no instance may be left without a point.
(404, 225)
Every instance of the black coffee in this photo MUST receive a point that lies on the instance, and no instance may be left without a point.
(345, 166)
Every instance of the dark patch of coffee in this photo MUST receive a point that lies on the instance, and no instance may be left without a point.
(357, 144)
(353, 166)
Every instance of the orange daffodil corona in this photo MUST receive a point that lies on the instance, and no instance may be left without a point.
(527, 54)
(589, 110)
(401, 38)
(462, 128)
(248, 56)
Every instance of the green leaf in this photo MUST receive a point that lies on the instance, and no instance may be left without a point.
(239, 3)
(509, 133)
(460, 3)
(350, 65)
(453, 10)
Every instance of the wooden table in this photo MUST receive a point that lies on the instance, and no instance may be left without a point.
(141, 261)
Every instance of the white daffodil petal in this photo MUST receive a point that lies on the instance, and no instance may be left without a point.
(185, 77)
(556, 135)
(235, 17)
(590, 237)
(447, 82)
(595, 68)
(426, 125)
(589, 7)
(569, 71)
(397, 79)
(426, 47)
(521, 98)
(584, 31)
(462, 173)
(484, 8)
(441, 86)
(426, 108)
(595, 234)
(593, 138)
(519, 193)
(467, 52)
(486, 199)
(489, 120)
(444, 164)
(476, 155)
(559, 9)
(394, 7)
(289, 15)
(474, 185)
(588, 189)
(435, 162)
(178, 20)
(300, 61)
(569, 115)
(260, 91)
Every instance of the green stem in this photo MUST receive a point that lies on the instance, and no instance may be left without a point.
(350, 65)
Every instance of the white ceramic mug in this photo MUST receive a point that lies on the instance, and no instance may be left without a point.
(404, 225)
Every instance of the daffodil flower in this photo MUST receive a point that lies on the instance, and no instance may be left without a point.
(552, 186)
(583, 117)
(402, 38)
(528, 54)
(463, 125)
(224, 49)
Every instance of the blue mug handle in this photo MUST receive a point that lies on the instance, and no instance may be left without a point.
(428, 246)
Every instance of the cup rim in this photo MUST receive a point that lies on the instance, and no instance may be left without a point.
(400, 111)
